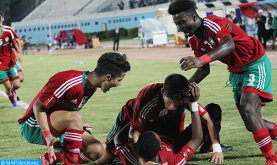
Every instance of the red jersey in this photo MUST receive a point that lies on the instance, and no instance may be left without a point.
(149, 107)
(248, 49)
(64, 91)
(6, 39)
(166, 154)
(16, 37)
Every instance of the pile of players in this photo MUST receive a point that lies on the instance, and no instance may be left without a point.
(150, 128)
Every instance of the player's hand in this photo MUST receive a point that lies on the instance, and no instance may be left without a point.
(216, 157)
(20, 59)
(190, 62)
(88, 128)
(195, 92)
(51, 140)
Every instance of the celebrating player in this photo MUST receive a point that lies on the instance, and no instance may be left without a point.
(53, 117)
(15, 56)
(216, 38)
(164, 103)
(7, 68)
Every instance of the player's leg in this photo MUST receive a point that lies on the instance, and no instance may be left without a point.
(20, 72)
(4, 79)
(69, 123)
(257, 87)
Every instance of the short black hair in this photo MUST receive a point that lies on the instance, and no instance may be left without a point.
(176, 87)
(112, 63)
(148, 146)
(232, 12)
(178, 6)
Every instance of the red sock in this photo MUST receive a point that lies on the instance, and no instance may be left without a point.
(264, 142)
(273, 133)
(83, 158)
(11, 97)
(71, 146)
(58, 157)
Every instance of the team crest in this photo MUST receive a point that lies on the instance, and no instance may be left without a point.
(7, 39)
(211, 41)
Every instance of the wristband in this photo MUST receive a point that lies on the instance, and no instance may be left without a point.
(194, 106)
(217, 148)
(19, 52)
(205, 59)
(46, 133)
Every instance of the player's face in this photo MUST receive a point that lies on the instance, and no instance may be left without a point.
(172, 105)
(112, 82)
(1, 22)
(185, 23)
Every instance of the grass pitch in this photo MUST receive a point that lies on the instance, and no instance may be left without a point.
(102, 109)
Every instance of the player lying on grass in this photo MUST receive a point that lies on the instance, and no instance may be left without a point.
(153, 148)
(155, 107)
(53, 117)
(217, 38)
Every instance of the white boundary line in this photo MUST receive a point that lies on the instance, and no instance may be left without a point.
(20, 103)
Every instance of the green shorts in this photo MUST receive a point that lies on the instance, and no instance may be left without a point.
(275, 33)
(11, 73)
(256, 77)
(32, 133)
(18, 67)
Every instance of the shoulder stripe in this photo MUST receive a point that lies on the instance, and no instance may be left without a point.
(68, 86)
(65, 83)
(147, 107)
(211, 27)
(9, 32)
(214, 24)
(128, 155)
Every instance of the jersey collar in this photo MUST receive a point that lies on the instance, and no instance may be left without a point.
(84, 79)
(201, 29)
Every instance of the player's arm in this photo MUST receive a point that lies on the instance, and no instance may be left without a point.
(200, 74)
(217, 156)
(41, 118)
(223, 49)
(134, 136)
(197, 134)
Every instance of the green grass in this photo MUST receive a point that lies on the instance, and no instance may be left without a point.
(102, 109)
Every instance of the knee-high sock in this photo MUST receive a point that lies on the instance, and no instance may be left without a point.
(71, 146)
(12, 97)
(264, 142)
(273, 133)
(83, 158)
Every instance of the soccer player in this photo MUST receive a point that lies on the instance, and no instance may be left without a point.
(216, 38)
(15, 56)
(158, 103)
(53, 117)
(7, 69)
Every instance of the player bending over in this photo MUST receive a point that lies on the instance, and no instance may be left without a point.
(217, 38)
(53, 117)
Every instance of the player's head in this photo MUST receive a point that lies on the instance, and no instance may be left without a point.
(2, 16)
(112, 67)
(148, 146)
(232, 13)
(175, 91)
(228, 16)
(185, 16)
(260, 12)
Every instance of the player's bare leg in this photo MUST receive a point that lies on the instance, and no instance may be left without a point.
(21, 76)
(107, 157)
(69, 123)
(250, 111)
(91, 149)
(9, 92)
